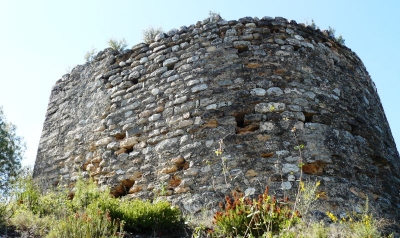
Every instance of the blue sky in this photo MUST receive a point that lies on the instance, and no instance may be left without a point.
(42, 39)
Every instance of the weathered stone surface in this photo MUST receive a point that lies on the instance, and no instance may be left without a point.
(170, 62)
(103, 141)
(128, 142)
(274, 91)
(254, 89)
(166, 144)
(199, 88)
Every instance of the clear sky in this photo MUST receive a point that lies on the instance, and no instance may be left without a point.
(41, 39)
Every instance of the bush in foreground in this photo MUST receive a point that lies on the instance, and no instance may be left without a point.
(91, 212)
(244, 217)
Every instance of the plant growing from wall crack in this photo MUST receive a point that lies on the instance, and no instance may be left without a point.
(118, 45)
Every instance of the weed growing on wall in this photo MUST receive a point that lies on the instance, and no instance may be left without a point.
(89, 55)
(331, 32)
(150, 33)
(118, 45)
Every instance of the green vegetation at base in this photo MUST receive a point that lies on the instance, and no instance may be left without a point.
(91, 212)
(243, 216)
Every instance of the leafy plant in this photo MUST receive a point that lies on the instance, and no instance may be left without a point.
(313, 25)
(339, 39)
(11, 153)
(331, 32)
(308, 194)
(25, 191)
(357, 225)
(92, 212)
(90, 55)
(143, 216)
(55, 203)
(118, 45)
(6, 211)
(91, 223)
(242, 216)
(86, 193)
(150, 33)
(214, 15)
(26, 221)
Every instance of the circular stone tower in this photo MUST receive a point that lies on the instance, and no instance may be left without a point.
(149, 121)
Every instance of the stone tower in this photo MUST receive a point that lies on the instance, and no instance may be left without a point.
(148, 122)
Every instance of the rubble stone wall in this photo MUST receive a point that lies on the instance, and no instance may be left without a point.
(148, 122)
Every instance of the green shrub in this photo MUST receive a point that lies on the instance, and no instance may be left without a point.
(54, 203)
(90, 55)
(85, 193)
(306, 196)
(26, 221)
(25, 191)
(357, 225)
(214, 15)
(91, 223)
(150, 33)
(118, 45)
(313, 25)
(143, 216)
(242, 216)
(92, 212)
(6, 211)
(339, 39)
(137, 215)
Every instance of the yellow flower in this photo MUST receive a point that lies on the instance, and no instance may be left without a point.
(218, 152)
(302, 186)
(271, 108)
(332, 217)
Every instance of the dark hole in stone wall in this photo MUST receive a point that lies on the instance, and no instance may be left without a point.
(244, 53)
(387, 144)
(135, 81)
(308, 116)
(275, 30)
(240, 120)
(120, 136)
(379, 160)
(248, 129)
(242, 49)
(314, 168)
(353, 127)
(358, 170)
(129, 150)
(122, 188)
